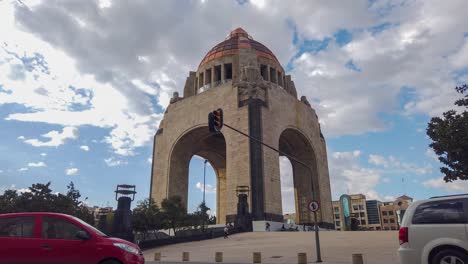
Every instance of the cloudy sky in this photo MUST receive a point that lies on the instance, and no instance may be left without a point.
(83, 85)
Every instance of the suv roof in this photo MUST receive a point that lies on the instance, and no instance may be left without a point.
(449, 196)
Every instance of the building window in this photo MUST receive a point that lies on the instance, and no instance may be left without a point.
(363, 222)
(200, 80)
(361, 207)
(217, 74)
(362, 214)
(228, 71)
(393, 228)
(384, 212)
(337, 223)
(208, 76)
(392, 220)
(272, 75)
(386, 228)
(355, 207)
(390, 212)
(280, 79)
(264, 72)
(385, 221)
(337, 209)
(337, 216)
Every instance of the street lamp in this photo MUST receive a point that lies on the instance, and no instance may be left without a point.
(204, 180)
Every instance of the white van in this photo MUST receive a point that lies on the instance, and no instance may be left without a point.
(434, 231)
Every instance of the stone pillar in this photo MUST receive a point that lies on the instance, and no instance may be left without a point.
(212, 76)
(222, 73)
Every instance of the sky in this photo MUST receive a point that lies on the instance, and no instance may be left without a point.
(84, 85)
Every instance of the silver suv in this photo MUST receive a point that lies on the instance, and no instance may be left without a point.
(435, 231)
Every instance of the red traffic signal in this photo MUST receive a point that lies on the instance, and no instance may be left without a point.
(215, 120)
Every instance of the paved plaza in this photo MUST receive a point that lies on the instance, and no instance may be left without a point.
(282, 247)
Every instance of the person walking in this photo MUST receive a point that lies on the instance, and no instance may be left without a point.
(226, 232)
(267, 227)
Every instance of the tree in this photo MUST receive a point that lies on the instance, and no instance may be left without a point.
(40, 198)
(201, 216)
(174, 211)
(450, 139)
(147, 218)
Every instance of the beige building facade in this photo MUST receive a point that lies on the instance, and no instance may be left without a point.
(370, 214)
(244, 78)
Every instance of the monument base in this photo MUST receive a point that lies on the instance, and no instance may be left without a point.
(260, 226)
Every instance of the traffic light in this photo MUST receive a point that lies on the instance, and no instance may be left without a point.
(215, 120)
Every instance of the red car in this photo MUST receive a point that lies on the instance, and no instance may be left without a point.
(58, 238)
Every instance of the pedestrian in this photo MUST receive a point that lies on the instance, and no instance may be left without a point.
(303, 227)
(226, 232)
(267, 227)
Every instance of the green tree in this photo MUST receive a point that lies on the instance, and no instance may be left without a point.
(174, 211)
(147, 218)
(450, 139)
(201, 217)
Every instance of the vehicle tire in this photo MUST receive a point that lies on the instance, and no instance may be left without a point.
(450, 256)
(110, 262)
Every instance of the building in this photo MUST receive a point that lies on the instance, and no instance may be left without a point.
(373, 214)
(357, 212)
(392, 212)
(98, 211)
(369, 214)
(245, 79)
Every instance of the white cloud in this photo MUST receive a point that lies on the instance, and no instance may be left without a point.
(85, 148)
(56, 138)
(208, 188)
(431, 154)
(150, 160)
(393, 165)
(348, 176)
(389, 198)
(1, 171)
(20, 137)
(37, 164)
(43, 154)
(13, 187)
(23, 169)
(451, 187)
(385, 180)
(71, 171)
(112, 162)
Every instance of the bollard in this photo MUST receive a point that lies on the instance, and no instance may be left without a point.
(185, 256)
(157, 256)
(357, 259)
(219, 257)
(257, 257)
(301, 258)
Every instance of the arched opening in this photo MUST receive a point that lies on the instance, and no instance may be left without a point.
(293, 143)
(198, 142)
(288, 203)
(201, 172)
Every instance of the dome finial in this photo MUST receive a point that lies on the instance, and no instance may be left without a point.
(238, 32)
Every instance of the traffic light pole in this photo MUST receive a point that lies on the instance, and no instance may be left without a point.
(316, 229)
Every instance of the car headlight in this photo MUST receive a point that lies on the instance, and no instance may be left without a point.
(127, 248)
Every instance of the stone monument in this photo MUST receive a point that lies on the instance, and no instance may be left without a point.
(245, 79)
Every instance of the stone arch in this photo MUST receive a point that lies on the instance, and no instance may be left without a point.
(212, 147)
(306, 181)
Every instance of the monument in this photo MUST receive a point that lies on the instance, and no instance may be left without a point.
(122, 225)
(246, 80)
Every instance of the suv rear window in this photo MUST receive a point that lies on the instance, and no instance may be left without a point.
(17, 226)
(440, 212)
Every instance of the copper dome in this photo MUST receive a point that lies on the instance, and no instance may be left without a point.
(238, 39)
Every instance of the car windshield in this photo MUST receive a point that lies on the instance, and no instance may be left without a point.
(97, 231)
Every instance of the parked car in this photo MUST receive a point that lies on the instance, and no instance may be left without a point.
(435, 231)
(59, 238)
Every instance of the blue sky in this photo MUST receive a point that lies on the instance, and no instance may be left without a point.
(84, 86)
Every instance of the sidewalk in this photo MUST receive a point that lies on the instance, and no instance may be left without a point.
(282, 247)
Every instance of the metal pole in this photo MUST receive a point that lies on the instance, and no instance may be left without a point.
(204, 180)
(317, 240)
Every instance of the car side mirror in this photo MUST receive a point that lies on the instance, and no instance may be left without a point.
(82, 235)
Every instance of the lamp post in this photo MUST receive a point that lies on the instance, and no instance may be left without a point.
(204, 180)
